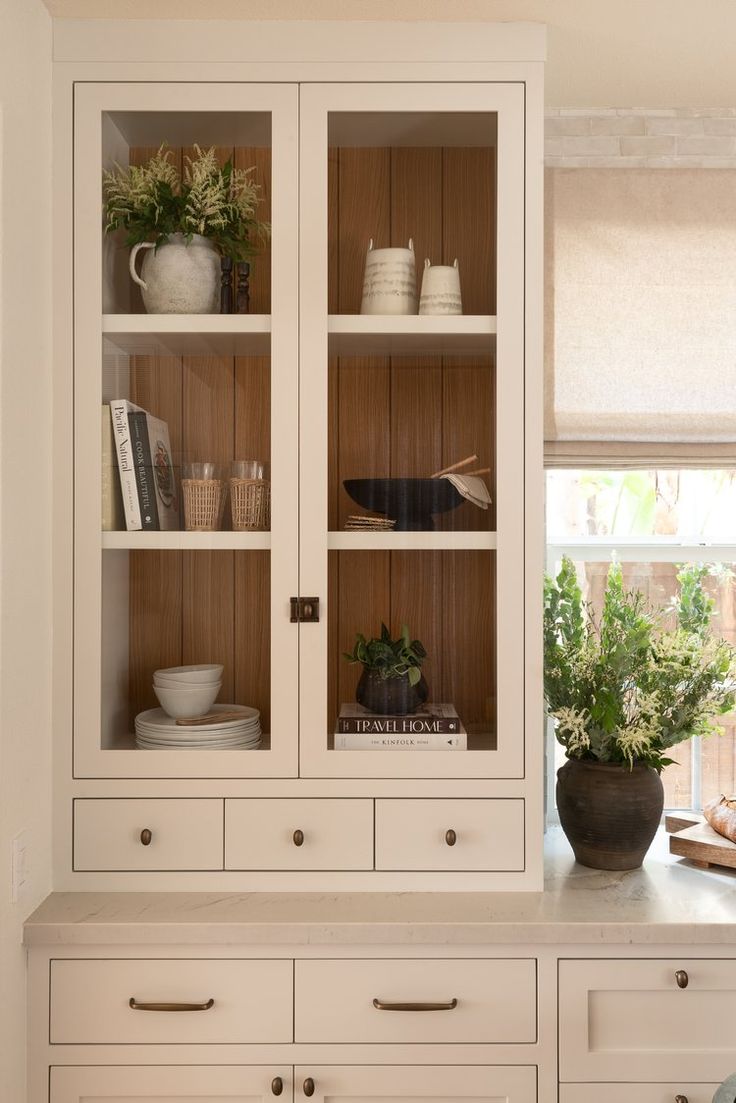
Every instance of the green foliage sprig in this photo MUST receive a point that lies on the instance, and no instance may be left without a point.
(390, 658)
(151, 201)
(624, 689)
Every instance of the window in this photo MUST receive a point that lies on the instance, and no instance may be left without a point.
(653, 521)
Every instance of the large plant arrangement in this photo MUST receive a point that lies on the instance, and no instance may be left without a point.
(624, 689)
(152, 201)
(389, 658)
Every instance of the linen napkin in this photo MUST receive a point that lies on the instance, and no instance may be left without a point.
(471, 487)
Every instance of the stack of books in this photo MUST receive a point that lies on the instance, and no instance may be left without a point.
(435, 728)
(146, 473)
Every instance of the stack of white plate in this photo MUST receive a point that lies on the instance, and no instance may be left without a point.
(154, 730)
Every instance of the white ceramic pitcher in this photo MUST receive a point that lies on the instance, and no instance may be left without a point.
(390, 281)
(440, 289)
(179, 278)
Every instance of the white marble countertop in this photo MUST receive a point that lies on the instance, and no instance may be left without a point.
(667, 901)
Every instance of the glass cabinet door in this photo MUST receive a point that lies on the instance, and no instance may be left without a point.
(186, 557)
(412, 415)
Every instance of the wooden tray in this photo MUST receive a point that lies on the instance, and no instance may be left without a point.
(692, 837)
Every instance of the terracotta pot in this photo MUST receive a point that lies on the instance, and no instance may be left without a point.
(609, 813)
(390, 696)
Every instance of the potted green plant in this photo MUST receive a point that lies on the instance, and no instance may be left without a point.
(186, 221)
(391, 682)
(623, 690)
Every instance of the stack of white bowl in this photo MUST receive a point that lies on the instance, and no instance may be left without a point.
(186, 692)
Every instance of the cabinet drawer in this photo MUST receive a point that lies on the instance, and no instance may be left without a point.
(629, 1020)
(90, 1001)
(299, 834)
(184, 834)
(636, 1093)
(413, 834)
(496, 1000)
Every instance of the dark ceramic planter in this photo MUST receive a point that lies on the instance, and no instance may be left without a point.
(390, 696)
(609, 813)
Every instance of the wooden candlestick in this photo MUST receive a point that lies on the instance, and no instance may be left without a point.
(226, 285)
(242, 302)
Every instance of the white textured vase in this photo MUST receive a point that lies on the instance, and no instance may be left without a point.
(390, 281)
(440, 289)
(179, 278)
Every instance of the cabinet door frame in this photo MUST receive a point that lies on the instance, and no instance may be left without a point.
(487, 1083)
(507, 100)
(72, 1083)
(92, 100)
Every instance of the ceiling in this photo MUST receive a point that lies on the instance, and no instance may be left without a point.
(627, 53)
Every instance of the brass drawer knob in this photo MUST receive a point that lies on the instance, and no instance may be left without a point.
(146, 836)
(450, 837)
(682, 978)
(308, 1086)
(277, 1085)
(680, 1099)
(298, 837)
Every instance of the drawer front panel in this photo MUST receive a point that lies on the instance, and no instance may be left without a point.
(413, 835)
(297, 834)
(636, 1093)
(630, 1020)
(90, 1001)
(184, 834)
(496, 1000)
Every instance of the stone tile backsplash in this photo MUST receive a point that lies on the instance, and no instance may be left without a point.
(640, 137)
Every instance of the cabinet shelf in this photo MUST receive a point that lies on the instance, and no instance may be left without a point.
(411, 541)
(411, 335)
(188, 334)
(187, 541)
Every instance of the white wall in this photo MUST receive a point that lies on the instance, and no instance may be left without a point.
(602, 53)
(25, 472)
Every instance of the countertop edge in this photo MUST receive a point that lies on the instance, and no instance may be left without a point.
(377, 934)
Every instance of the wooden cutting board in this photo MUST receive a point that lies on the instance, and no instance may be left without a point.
(692, 837)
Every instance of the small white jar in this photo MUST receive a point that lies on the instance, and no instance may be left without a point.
(390, 281)
(440, 289)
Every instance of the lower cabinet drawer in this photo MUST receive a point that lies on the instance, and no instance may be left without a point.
(308, 834)
(637, 1093)
(655, 1020)
(231, 1001)
(450, 834)
(488, 1000)
(158, 834)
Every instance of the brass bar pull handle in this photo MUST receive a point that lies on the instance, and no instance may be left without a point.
(135, 1006)
(450, 837)
(682, 978)
(146, 836)
(381, 1006)
(298, 837)
(308, 1086)
(277, 1085)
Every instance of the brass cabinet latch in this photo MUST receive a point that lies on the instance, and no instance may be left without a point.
(304, 610)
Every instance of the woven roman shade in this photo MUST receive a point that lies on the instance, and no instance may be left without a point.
(640, 317)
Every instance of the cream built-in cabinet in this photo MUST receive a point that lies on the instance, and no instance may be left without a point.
(445, 154)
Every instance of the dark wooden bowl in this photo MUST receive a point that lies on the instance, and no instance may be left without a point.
(410, 502)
